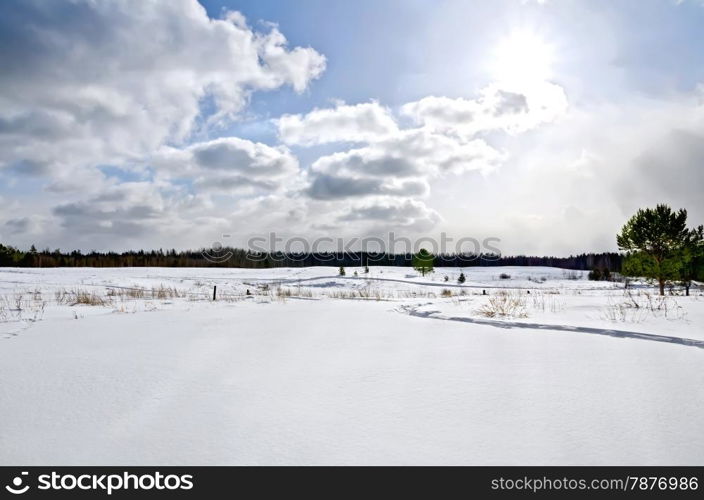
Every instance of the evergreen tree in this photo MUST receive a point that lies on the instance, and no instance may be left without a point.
(692, 258)
(423, 262)
(341, 272)
(654, 239)
(595, 274)
(9, 256)
(461, 278)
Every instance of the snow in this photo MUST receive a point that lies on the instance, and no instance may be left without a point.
(313, 368)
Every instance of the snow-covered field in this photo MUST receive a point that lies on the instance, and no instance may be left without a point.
(140, 366)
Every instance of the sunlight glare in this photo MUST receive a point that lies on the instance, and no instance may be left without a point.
(522, 58)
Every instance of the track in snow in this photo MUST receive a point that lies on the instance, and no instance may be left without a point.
(413, 311)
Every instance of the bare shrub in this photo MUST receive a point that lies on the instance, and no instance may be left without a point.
(62, 296)
(636, 307)
(133, 293)
(165, 292)
(22, 306)
(125, 293)
(542, 301)
(82, 297)
(362, 293)
(570, 275)
(535, 279)
(505, 304)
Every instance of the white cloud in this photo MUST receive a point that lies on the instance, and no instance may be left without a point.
(400, 166)
(227, 155)
(497, 108)
(568, 188)
(392, 214)
(365, 122)
(411, 153)
(400, 163)
(333, 187)
(110, 82)
(228, 164)
(131, 209)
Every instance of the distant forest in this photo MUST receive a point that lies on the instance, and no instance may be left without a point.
(234, 257)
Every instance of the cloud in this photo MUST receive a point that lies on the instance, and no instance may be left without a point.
(29, 168)
(86, 83)
(230, 183)
(400, 166)
(497, 108)
(376, 187)
(142, 88)
(669, 170)
(332, 187)
(123, 216)
(603, 162)
(365, 122)
(125, 210)
(394, 165)
(20, 225)
(415, 152)
(400, 163)
(228, 163)
(409, 214)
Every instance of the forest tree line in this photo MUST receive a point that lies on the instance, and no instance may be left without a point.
(239, 258)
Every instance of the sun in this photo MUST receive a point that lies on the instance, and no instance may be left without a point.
(522, 57)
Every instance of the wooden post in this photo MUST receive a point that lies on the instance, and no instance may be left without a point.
(215, 291)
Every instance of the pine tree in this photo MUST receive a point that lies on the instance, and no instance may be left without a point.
(461, 279)
(423, 262)
(595, 274)
(341, 271)
(654, 240)
(692, 258)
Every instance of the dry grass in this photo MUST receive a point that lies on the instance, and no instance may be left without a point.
(166, 292)
(82, 297)
(22, 306)
(79, 296)
(636, 307)
(542, 301)
(361, 293)
(505, 304)
(571, 275)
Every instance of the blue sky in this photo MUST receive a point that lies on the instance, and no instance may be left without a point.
(159, 124)
(400, 51)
